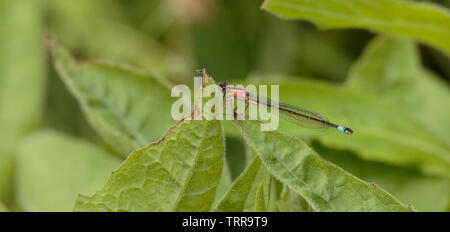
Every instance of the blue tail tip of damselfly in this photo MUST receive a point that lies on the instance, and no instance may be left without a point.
(345, 129)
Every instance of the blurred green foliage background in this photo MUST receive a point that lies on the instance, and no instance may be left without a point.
(391, 90)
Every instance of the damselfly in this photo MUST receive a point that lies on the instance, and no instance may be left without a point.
(288, 112)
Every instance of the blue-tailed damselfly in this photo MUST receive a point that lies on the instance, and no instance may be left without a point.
(288, 112)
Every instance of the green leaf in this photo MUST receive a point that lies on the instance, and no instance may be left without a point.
(388, 101)
(424, 193)
(290, 201)
(22, 69)
(180, 172)
(382, 132)
(322, 184)
(62, 111)
(53, 168)
(3, 207)
(390, 68)
(236, 156)
(260, 203)
(243, 194)
(224, 184)
(128, 109)
(276, 188)
(427, 23)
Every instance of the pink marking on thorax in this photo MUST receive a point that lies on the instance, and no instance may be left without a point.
(238, 93)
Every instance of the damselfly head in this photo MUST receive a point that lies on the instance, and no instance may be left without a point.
(223, 85)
